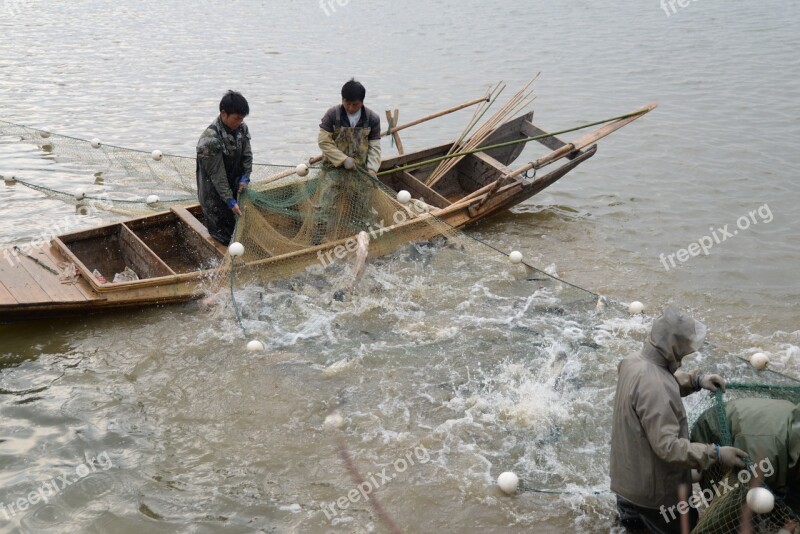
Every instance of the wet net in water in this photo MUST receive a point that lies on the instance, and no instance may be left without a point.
(732, 419)
(323, 226)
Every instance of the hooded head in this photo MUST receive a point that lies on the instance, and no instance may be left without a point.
(675, 335)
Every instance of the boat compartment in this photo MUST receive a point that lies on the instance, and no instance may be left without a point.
(110, 249)
(197, 212)
(178, 245)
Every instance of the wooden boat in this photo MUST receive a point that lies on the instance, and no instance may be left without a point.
(173, 254)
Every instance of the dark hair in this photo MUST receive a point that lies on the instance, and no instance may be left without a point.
(234, 103)
(353, 91)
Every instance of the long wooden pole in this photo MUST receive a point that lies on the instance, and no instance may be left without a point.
(578, 144)
(584, 141)
(391, 118)
(620, 121)
(437, 114)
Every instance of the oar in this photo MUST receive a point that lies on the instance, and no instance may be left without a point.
(436, 115)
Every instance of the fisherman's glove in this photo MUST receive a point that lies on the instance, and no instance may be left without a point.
(232, 203)
(711, 382)
(349, 164)
(730, 457)
(244, 181)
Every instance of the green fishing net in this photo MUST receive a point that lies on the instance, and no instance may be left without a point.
(722, 499)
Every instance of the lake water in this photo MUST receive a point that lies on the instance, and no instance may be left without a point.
(181, 430)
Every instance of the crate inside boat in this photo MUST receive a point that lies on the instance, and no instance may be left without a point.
(175, 243)
(109, 249)
(153, 247)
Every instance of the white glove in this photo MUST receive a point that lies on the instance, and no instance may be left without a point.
(349, 164)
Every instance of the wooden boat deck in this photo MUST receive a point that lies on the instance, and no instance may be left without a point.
(29, 290)
(23, 281)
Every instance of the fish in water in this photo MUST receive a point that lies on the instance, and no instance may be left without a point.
(359, 266)
(362, 251)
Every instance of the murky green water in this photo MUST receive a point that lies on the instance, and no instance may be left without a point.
(470, 370)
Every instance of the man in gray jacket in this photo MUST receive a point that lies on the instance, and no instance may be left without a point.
(651, 455)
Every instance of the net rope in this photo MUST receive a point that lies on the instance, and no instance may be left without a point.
(123, 177)
(158, 173)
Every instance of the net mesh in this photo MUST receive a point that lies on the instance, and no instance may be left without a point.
(325, 211)
(323, 226)
(123, 178)
(724, 492)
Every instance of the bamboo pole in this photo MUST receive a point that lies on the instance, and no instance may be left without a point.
(480, 111)
(579, 144)
(476, 117)
(623, 119)
(520, 100)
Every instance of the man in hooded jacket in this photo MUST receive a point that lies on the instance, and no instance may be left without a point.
(651, 455)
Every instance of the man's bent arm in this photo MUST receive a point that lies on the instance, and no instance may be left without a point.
(688, 381)
(329, 148)
(662, 428)
(374, 155)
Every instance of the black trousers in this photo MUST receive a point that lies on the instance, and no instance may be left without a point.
(219, 220)
(639, 520)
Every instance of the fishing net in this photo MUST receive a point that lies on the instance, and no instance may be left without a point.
(767, 466)
(325, 210)
(323, 226)
(290, 222)
(122, 178)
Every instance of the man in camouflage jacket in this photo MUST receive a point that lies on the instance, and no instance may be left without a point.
(224, 164)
